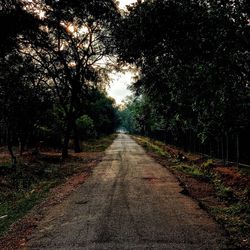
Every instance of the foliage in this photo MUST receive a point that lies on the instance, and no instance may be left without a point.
(85, 126)
(23, 101)
(51, 73)
(193, 59)
(139, 116)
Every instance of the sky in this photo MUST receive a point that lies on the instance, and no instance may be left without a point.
(120, 81)
(123, 3)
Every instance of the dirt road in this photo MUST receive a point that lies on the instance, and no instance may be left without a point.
(130, 202)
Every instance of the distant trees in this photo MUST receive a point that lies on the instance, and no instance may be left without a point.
(194, 71)
(137, 115)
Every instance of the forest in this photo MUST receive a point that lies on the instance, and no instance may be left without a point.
(190, 98)
(53, 79)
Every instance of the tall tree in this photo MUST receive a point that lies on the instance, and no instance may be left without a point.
(23, 100)
(192, 57)
(71, 49)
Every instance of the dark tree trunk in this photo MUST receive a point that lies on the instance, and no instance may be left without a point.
(65, 152)
(77, 146)
(237, 150)
(222, 150)
(10, 148)
(227, 149)
(68, 130)
(21, 146)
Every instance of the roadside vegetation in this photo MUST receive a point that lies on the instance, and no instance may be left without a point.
(30, 182)
(224, 192)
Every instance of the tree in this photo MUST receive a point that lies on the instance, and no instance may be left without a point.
(192, 59)
(23, 100)
(70, 50)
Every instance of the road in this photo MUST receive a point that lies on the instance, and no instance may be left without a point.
(130, 202)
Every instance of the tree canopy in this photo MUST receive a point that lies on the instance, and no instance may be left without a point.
(193, 58)
(53, 70)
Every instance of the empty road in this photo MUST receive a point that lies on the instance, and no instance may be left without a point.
(129, 202)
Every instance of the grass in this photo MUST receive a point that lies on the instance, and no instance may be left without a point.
(25, 188)
(236, 219)
(22, 189)
(155, 147)
(190, 170)
(19, 204)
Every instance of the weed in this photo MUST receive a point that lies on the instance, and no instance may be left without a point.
(207, 165)
(223, 192)
(235, 218)
(153, 146)
(191, 170)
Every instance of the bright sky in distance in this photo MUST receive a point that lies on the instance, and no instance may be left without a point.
(120, 81)
(118, 88)
(123, 3)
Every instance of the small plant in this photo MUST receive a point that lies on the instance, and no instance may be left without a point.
(223, 192)
(207, 165)
(190, 170)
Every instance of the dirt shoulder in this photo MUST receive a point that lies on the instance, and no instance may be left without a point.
(223, 191)
(41, 182)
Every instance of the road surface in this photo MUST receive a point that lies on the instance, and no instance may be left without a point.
(130, 202)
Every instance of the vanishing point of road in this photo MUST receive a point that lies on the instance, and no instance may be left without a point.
(129, 202)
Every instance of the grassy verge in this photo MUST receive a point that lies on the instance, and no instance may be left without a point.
(25, 187)
(223, 191)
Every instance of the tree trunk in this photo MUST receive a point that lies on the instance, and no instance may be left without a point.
(237, 150)
(9, 144)
(21, 146)
(77, 146)
(190, 143)
(222, 150)
(68, 130)
(227, 149)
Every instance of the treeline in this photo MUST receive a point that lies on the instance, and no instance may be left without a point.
(52, 73)
(193, 87)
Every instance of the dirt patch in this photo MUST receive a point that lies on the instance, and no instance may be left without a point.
(232, 177)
